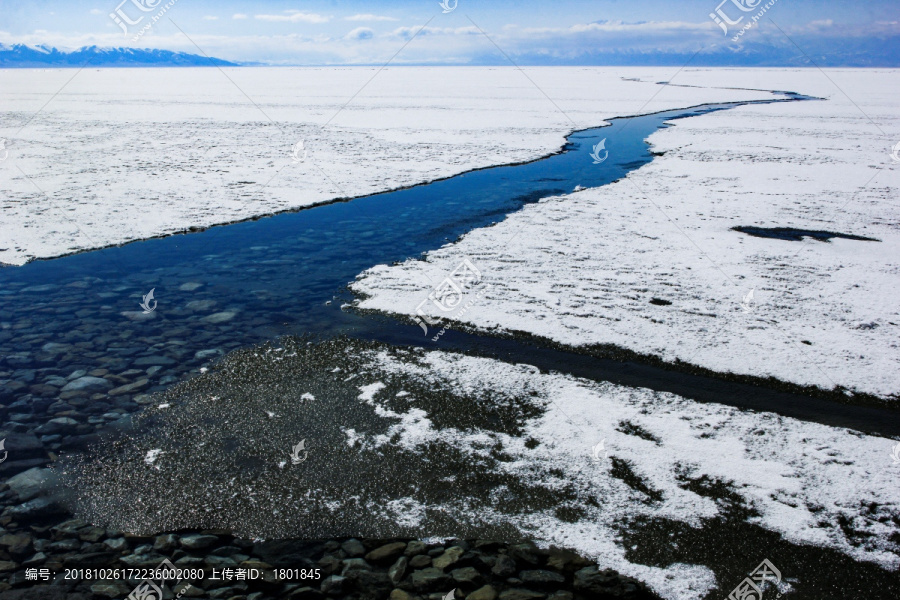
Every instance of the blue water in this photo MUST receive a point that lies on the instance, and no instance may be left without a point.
(280, 272)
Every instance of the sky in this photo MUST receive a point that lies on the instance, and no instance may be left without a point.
(346, 32)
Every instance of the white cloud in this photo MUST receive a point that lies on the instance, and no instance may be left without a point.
(369, 17)
(407, 32)
(361, 33)
(96, 11)
(210, 18)
(239, 16)
(294, 16)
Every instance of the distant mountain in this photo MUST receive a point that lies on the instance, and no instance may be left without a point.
(20, 55)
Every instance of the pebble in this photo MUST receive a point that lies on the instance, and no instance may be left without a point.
(196, 541)
(87, 384)
(138, 315)
(219, 317)
(386, 553)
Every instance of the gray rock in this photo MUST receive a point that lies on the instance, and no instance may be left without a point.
(57, 425)
(371, 582)
(467, 577)
(207, 354)
(334, 585)
(303, 593)
(483, 593)
(398, 570)
(35, 561)
(42, 592)
(116, 544)
(220, 562)
(414, 548)
(566, 560)
(88, 384)
(55, 348)
(353, 548)
(450, 556)
(18, 545)
(165, 542)
(527, 553)
(154, 361)
(138, 386)
(540, 577)
(504, 567)
(386, 553)
(521, 594)
(91, 534)
(144, 560)
(198, 541)
(39, 507)
(90, 560)
(200, 305)
(138, 315)
(31, 483)
(591, 580)
(220, 317)
(110, 589)
(76, 374)
(420, 562)
(355, 564)
(429, 579)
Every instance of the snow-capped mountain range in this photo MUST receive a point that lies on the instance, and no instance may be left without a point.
(20, 55)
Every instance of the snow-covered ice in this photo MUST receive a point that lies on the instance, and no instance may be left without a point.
(802, 478)
(582, 269)
(478, 446)
(125, 154)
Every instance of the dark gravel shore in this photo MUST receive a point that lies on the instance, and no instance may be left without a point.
(363, 569)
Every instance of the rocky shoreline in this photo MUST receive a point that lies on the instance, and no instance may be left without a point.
(37, 534)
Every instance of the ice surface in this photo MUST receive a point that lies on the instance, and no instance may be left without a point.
(583, 269)
(125, 154)
(803, 478)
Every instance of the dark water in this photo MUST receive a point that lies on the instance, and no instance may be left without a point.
(272, 276)
(795, 235)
